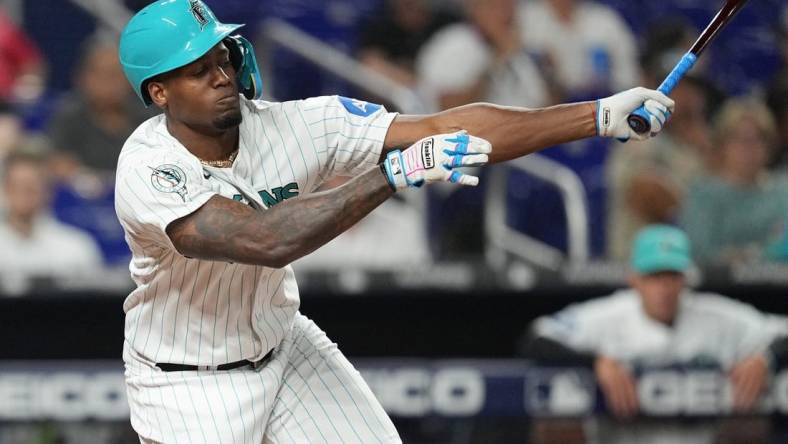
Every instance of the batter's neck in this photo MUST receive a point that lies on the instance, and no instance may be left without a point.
(210, 146)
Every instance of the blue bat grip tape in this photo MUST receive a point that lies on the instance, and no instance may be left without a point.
(639, 120)
(686, 63)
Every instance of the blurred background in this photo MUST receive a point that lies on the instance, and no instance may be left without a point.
(433, 295)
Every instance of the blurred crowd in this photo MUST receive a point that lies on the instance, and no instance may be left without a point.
(719, 171)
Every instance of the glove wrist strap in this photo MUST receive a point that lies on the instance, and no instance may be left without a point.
(394, 169)
(603, 118)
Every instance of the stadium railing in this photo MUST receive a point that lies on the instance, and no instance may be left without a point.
(502, 239)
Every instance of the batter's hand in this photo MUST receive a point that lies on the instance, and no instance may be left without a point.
(618, 386)
(612, 113)
(435, 159)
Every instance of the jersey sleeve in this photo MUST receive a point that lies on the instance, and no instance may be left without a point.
(744, 330)
(347, 133)
(757, 329)
(153, 190)
(577, 326)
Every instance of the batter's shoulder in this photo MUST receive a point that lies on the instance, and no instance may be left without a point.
(145, 135)
(151, 145)
(254, 109)
(257, 105)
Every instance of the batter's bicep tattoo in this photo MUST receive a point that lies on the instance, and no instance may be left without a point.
(226, 230)
(207, 233)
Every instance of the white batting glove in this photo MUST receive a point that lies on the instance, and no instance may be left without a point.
(612, 113)
(435, 158)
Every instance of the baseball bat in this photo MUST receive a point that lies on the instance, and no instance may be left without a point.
(639, 119)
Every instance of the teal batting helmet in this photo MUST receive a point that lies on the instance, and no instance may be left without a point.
(168, 34)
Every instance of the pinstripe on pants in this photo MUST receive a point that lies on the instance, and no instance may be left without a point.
(307, 392)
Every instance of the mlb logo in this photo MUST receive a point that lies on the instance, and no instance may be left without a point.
(396, 168)
(359, 107)
(549, 392)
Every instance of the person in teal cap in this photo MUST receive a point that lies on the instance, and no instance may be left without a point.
(220, 193)
(657, 322)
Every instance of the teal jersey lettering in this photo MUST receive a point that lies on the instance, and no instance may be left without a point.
(275, 196)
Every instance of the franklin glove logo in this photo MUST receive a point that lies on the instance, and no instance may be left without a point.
(427, 153)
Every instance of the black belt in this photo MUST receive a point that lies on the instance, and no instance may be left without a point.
(167, 367)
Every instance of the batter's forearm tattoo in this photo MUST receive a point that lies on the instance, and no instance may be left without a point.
(223, 229)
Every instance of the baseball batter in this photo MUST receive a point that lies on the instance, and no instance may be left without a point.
(217, 196)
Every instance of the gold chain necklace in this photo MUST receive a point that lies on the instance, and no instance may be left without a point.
(226, 163)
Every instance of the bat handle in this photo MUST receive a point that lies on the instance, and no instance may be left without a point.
(639, 120)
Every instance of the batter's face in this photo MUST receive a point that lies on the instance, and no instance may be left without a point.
(100, 77)
(202, 95)
(660, 294)
(746, 151)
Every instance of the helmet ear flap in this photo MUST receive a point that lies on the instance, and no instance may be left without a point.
(242, 57)
(236, 57)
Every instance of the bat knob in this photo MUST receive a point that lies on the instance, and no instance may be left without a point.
(639, 121)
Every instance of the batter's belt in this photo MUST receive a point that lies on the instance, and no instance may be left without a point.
(167, 367)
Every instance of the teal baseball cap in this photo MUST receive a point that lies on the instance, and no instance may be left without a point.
(660, 248)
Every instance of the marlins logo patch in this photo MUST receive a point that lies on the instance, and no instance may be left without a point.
(198, 11)
(169, 179)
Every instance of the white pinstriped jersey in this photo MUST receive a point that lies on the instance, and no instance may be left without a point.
(200, 312)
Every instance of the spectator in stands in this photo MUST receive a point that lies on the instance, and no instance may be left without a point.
(11, 136)
(405, 241)
(21, 65)
(390, 42)
(482, 59)
(777, 97)
(733, 213)
(659, 322)
(11, 132)
(91, 125)
(35, 245)
(589, 45)
(647, 181)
